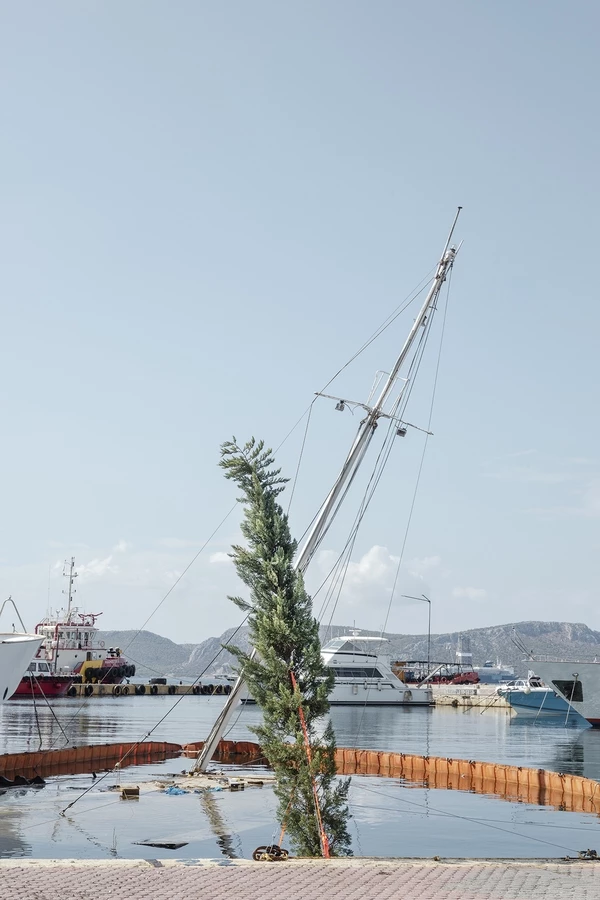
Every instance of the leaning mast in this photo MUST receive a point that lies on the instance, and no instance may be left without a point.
(348, 471)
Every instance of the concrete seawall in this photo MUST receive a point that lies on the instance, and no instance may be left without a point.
(482, 695)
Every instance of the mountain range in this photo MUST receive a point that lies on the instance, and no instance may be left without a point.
(156, 655)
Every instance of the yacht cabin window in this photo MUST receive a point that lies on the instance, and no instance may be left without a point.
(356, 672)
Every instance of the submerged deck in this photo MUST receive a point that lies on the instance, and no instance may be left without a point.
(369, 879)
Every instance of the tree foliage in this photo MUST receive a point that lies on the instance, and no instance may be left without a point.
(286, 637)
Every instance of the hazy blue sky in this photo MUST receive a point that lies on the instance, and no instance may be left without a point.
(207, 207)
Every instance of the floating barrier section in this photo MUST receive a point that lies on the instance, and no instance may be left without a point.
(243, 752)
(572, 793)
(79, 760)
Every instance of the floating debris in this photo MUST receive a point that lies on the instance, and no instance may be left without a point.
(166, 845)
(130, 792)
(21, 781)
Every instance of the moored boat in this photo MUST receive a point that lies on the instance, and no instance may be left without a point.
(531, 697)
(70, 646)
(16, 651)
(366, 678)
(40, 681)
(577, 682)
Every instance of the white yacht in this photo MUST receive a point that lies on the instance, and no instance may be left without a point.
(364, 677)
(17, 649)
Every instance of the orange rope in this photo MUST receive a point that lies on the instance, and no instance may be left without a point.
(322, 835)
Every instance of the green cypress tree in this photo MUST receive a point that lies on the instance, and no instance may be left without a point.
(286, 636)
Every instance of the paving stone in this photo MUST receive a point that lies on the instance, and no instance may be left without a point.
(353, 879)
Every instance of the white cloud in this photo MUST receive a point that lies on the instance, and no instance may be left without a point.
(97, 568)
(121, 547)
(420, 567)
(469, 593)
(368, 580)
(373, 568)
(220, 557)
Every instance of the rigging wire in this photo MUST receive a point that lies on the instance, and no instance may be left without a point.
(294, 482)
(86, 700)
(387, 322)
(385, 451)
(420, 469)
(391, 318)
(402, 307)
(383, 327)
(154, 727)
(425, 810)
(425, 443)
(48, 704)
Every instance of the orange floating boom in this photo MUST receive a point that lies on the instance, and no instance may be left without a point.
(572, 793)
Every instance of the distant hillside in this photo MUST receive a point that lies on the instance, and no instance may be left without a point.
(154, 654)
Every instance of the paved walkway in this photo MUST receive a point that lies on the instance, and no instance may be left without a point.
(353, 879)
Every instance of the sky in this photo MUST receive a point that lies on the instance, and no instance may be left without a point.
(207, 208)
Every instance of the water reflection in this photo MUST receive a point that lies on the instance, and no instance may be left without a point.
(225, 840)
(388, 817)
(460, 733)
(12, 843)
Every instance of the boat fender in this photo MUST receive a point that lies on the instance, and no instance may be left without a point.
(72, 692)
(140, 688)
(88, 690)
(196, 689)
(219, 689)
(407, 696)
(171, 689)
(154, 689)
(125, 690)
(116, 690)
(227, 689)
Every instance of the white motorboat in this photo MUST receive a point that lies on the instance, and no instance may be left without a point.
(531, 697)
(17, 649)
(577, 682)
(364, 677)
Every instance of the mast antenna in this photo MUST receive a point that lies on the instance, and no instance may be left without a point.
(68, 572)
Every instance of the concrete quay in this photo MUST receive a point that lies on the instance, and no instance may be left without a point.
(339, 879)
(480, 695)
(467, 696)
(204, 689)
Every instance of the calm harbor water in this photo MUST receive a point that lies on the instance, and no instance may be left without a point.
(389, 818)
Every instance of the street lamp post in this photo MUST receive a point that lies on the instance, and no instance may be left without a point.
(425, 599)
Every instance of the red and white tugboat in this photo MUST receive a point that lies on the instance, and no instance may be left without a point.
(71, 651)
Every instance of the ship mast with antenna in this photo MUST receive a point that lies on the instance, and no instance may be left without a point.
(70, 573)
(356, 454)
